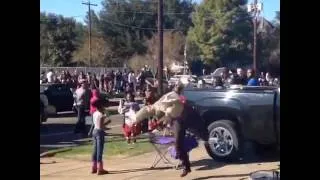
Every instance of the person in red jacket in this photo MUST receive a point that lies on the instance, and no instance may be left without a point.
(95, 96)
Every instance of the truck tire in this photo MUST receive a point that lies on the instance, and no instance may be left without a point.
(224, 141)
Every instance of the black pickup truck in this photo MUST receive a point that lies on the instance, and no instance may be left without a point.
(54, 98)
(234, 116)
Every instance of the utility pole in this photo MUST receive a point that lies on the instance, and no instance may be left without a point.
(160, 48)
(89, 25)
(255, 37)
(255, 8)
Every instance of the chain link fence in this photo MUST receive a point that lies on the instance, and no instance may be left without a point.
(96, 70)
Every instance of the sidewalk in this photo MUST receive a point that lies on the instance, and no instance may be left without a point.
(137, 168)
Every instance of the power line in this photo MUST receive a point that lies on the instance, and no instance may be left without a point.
(89, 12)
(148, 12)
(142, 28)
(136, 27)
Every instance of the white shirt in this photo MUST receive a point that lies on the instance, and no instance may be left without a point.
(129, 114)
(131, 78)
(97, 118)
(80, 93)
(50, 77)
(130, 117)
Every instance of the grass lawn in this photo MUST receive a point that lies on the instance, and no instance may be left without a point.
(115, 147)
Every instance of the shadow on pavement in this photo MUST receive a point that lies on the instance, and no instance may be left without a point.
(206, 164)
(138, 170)
(221, 176)
(252, 156)
(56, 136)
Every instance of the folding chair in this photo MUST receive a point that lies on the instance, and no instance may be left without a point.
(162, 145)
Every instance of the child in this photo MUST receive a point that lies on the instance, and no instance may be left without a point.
(99, 121)
(129, 109)
(95, 96)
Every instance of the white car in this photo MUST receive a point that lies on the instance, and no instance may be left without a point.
(184, 79)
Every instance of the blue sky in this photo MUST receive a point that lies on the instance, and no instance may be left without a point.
(77, 10)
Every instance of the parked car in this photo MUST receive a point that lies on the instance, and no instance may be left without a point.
(185, 79)
(236, 115)
(58, 96)
(208, 79)
(43, 108)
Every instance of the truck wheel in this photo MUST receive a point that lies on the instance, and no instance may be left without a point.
(224, 143)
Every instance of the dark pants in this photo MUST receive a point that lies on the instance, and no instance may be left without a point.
(98, 144)
(81, 123)
(144, 125)
(180, 132)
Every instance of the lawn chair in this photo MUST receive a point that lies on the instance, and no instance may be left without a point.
(162, 145)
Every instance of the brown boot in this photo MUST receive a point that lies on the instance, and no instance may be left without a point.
(101, 171)
(94, 167)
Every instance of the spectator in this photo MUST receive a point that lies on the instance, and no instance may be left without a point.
(55, 79)
(106, 82)
(68, 75)
(242, 77)
(269, 79)
(252, 80)
(149, 99)
(101, 82)
(82, 97)
(118, 80)
(276, 82)
(218, 84)
(142, 78)
(124, 79)
(81, 77)
(132, 81)
(109, 81)
(89, 78)
(234, 78)
(43, 78)
(50, 76)
(225, 77)
(113, 76)
(95, 81)
(129, 109)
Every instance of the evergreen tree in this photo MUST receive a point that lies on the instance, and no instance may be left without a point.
(223, 32)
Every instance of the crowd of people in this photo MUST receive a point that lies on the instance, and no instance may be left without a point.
(115, 82)
(239, 77)
(110, 82)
